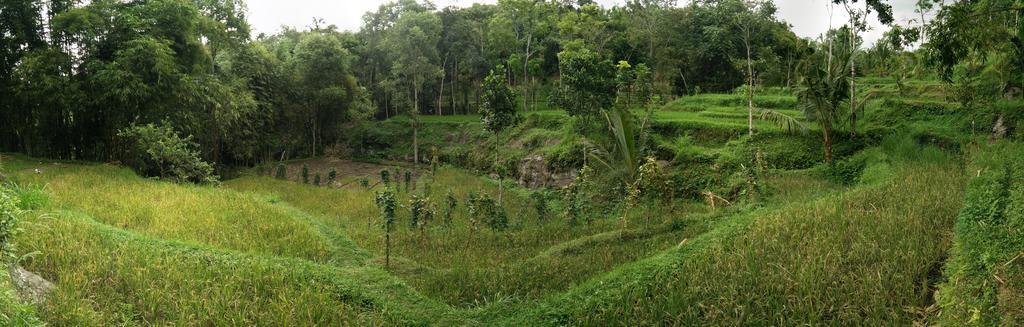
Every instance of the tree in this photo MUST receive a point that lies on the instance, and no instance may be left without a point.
(413, 41)
(498, 109)
(528, 21)
(385, 201)
(753, 19)
(823, 95)
(159, 151)
(858, 23)
(327, 88)
(588, 82)
(647, 21)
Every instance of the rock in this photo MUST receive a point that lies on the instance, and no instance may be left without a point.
(1013, 92)
(30, 287)
(999, 130)
(534, 174)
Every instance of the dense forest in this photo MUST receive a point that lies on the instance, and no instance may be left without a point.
(76, 74)
(515, 163)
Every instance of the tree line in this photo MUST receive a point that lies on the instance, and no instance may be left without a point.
(75, 75)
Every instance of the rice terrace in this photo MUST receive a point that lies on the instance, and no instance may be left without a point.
(512, 163)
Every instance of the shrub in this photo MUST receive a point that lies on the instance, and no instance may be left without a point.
(316, 179)
(159, 151)
(364, 182)
(578, 197)
(408, 180)
(417, 211)
(451, 203)
(484, 208)
(281, 171)
(332, 176)
(9, 210)
(305, 174)
(540, 204)
(385, 201)
(385, 177)
(845, 172)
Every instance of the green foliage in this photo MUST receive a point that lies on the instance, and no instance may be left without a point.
(282, 171)
(845, 172)
(540, 205)
(578, 197)
(498, 110)
(305, 174)
(484, 209)
(316, 179)
(451, 203)
(364, 182)
(332, 176)
(159, 151)
(385, 177)
(421, 211)
(9, 211)
(981, 279)
(408, 181)
(588, 82)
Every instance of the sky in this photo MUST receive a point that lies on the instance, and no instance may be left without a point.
(809, 18)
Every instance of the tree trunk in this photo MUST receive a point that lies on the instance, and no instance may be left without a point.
(853, 78)
(526, 73)
(440, 95)
(455, 84)
(415, 141)
(387, 245)
(827, 131)
(750, 86)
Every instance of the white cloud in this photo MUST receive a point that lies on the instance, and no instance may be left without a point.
(809, 18)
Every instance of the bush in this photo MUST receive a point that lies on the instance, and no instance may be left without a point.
(159, 151)
(449, 210)
(316, 179)
(845, 172)
(9, 210)
(540, 203)
(484, 209)
(305, 174)
(281, 171)
(332, 176)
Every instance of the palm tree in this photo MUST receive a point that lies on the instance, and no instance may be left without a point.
(825, 89)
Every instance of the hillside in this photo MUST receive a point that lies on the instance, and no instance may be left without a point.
(873, 243)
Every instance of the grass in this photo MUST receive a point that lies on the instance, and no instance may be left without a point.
(12, 311)
(125, 250)
(984, 275)
(866, 255)
(198, 215)
(465, 264)
(120, 277)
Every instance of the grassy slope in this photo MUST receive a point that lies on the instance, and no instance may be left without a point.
(864, 255)
(237, 258)
(466, 264)
(985, 274)
(869, 255)
(117, 197)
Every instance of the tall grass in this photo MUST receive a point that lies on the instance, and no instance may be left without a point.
(867, 256)
(195, 214)
(108, 276)
(466, 264)
(984, 283)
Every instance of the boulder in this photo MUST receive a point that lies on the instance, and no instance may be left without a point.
(30, 287)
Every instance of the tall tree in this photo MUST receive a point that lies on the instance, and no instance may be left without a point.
(859, 23)
(413, 40)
